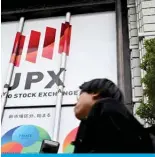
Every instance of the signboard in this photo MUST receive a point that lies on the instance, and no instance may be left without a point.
(91, 54)
(24, 129)
(68, 129)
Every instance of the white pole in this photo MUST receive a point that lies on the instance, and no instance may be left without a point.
(10, 71)
(60, 91)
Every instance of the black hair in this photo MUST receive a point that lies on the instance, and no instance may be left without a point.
(104, 87)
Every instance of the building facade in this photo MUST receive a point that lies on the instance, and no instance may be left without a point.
(119, 29)
(141, 24)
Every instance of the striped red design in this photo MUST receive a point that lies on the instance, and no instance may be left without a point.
(20, 50)
(33, 46)
(48, 47)
(65, 35)
(17, 49)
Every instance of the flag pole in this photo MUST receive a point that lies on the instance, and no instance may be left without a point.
(11, 67)
(61, 87)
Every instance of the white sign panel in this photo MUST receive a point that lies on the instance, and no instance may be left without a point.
(93, 51)
(68, 130)
(35, 72)
(92, 55)
(23, 130)
(8, 33)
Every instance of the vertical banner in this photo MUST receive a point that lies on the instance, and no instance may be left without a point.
(33, 46)
(49, 41)
(61, 87)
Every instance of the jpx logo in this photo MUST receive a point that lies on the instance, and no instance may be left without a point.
(36, 77)
(31, 55)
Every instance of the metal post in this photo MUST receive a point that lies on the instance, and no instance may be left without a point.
(60, 91)
(123, 53)
(11, 69)
(120, 55)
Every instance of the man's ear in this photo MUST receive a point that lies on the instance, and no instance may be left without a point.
(95, 96)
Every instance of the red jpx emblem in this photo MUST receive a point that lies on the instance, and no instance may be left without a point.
(48, 45)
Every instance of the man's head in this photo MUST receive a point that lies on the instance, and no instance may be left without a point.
(93, 91)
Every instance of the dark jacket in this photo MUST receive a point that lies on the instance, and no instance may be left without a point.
(110, 128)
(151, 131)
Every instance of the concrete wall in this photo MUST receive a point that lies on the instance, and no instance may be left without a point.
(141, 21)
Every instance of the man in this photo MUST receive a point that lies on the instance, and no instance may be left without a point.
(106, 125)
